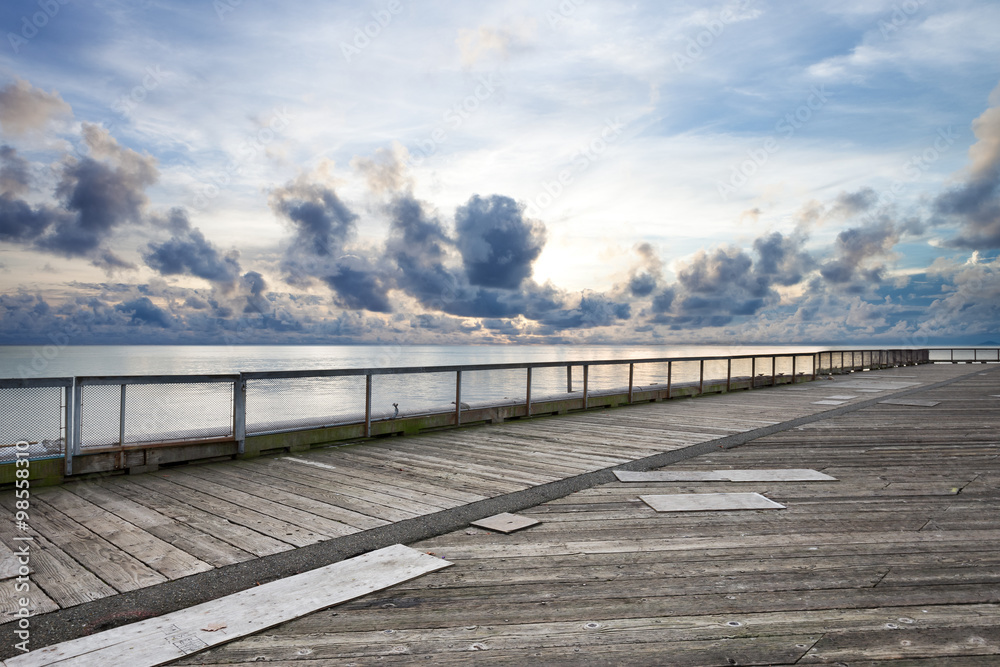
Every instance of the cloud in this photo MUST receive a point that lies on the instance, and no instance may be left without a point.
(782, 259)
(646, 277)
(498, 244)
(858, 250)
(25, 109)
(976, 203)
(143, 311)
(386, 171)
(99, 194)
(188, 252)
(323, 227)
(15, 178)
(476, 45)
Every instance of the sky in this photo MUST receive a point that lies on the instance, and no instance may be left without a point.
(394, 171)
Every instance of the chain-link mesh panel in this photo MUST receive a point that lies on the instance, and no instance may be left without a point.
(172, 412)
(284, 404)
(649, 377)
(549, 384)
(715, 370)
(408, 394)
(606, 379)
(686, 374)
(482, 389)
(741, 369)
(100, 415)
(964, 355)
(35, 415)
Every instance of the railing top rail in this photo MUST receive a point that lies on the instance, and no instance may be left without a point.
(156, 379)
(35, 382)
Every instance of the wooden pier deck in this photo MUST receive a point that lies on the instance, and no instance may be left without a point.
(911, 524)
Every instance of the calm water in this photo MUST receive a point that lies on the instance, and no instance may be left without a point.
(158, 412)
(49, 361)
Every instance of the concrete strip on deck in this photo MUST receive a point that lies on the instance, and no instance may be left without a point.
(894, 564)
(118, 549)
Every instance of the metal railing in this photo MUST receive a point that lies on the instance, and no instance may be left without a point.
(86, 415)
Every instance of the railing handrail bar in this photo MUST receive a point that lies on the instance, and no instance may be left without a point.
(400, 370)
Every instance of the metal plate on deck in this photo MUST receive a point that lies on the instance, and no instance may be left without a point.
(704, 502)
(828, 402)
(671, 476)
(796, 388)
(872, 391)
(875, 384)
(842, 397)
(910, 401)
(777, 475)
(505, 522)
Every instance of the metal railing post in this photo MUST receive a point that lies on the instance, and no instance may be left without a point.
(701, 377)
(240, 414)
(527, 393)
(368, 405)
(569, 379)
(753, 371)
(586, 374)
(631, 375)
(68, 433)
(77, 417)
(121, 419)
(670, 368)
(794, 359)
(729, 373)
(774, 370)
(815, 360)
(458, 398)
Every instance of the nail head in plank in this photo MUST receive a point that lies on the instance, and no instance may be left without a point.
(702, 502)
(166, 638)
(505, 522)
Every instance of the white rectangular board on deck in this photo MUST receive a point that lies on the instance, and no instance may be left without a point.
(828, 402)
(157, 641)
(750, 475)
(704, 502)
(909, 401)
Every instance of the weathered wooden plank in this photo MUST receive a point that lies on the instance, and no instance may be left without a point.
(166, 638)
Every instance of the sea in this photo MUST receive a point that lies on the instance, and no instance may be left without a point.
(157, 412)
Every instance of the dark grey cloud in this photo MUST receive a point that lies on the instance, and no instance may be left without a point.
(188, 252)
(323, 227)
(498, 244)
(975, 204)
(21, 222)
(782, 259)
(858, 254)
(144, 311)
